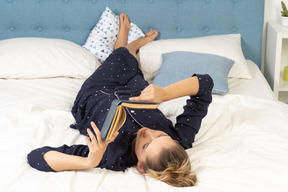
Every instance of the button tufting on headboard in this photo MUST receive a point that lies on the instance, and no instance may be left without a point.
(172, 18)
(40, 29)
(206, 29)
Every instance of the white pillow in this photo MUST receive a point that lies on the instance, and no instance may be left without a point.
(103, 36)
(228, 46)
(44, 58)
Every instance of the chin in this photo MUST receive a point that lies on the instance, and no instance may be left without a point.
(139, 132)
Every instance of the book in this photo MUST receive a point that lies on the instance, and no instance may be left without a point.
(116, 116)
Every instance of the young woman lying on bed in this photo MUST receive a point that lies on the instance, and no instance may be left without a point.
(147, 139)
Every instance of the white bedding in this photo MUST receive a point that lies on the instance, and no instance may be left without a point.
(241, 146)
(258, 87)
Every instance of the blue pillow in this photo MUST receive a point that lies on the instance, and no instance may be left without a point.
(180, 65)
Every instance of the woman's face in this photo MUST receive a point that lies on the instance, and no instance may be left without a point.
(150, 143)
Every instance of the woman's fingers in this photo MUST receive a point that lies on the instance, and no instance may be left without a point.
(148, 94)
(93, 142)
(97, 132)
(90, 146)
(142, 97)
(112, 138)
(145, 96)
(135, 98)
(98, 142)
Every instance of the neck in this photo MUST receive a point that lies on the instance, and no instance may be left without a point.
(133, 154)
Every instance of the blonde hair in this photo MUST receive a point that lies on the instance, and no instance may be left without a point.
(173, 167)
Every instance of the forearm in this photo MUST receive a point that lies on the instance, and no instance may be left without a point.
(189, 86)
(189, 121)
(74, 157)
(63, 162)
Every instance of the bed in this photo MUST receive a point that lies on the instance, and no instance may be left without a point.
(243, 142)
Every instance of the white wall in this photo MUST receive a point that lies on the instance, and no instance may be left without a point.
(272, 13)
(273, 8)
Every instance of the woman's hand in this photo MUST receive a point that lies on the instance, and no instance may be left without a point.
(151, 93)
(97, 146)
(185, 87)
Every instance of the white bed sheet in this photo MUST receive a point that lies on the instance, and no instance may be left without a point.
(241, 146)
(257, 87)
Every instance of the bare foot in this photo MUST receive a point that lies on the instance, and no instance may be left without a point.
(124, 27)
(134, 46)
(151, 35)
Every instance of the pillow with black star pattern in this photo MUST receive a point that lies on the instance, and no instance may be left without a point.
(104, 35)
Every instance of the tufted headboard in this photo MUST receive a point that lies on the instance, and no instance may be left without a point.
(74, 19)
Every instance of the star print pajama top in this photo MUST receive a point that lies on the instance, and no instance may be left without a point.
(120, 78)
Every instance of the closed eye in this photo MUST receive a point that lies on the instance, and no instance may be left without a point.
(146, 144)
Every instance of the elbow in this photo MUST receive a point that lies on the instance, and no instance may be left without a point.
(36, 160)
(206, 84)
(211, 83)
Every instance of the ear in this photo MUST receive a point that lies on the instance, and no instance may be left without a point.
(140, 168)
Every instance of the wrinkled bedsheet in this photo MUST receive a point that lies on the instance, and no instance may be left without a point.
(241, 146)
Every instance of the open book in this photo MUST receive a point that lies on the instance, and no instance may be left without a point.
(117, 115)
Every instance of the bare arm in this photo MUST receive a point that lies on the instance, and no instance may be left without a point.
(189, 86)
(61, 162)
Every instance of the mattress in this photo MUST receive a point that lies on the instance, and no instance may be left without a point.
(242, 144)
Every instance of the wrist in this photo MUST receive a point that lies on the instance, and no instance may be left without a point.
(165, 94)
(92, 162)
(85, 163)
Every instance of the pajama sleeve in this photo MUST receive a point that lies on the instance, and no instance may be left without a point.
(37, 161)
(188, 123)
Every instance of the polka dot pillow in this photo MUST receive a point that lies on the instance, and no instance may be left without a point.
(103, 36)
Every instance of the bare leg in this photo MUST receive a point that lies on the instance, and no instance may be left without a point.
(124, 27)
(134, 46)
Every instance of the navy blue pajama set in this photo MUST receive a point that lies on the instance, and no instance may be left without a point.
(120, 78)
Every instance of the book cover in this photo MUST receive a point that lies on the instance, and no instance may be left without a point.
(116, 116)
